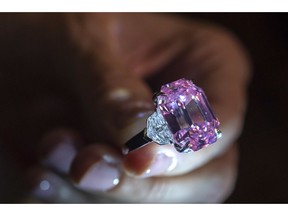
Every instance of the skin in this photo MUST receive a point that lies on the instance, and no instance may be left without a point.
(130, 56)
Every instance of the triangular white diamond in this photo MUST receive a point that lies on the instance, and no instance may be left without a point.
(157, 129)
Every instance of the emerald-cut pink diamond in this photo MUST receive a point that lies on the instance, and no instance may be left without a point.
(188, 115)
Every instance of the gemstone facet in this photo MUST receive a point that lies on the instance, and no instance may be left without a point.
(157, 129)
(183, 117)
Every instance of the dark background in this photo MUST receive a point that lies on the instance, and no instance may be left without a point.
(263, 172)
(263, 176)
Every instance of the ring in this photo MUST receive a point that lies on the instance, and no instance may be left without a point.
(182, 118)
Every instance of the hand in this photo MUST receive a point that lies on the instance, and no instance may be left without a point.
(130, 56)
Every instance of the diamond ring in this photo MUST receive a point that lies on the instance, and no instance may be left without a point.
(182, 118)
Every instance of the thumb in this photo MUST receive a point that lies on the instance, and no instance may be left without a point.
(128, 102)
(111, 96)
(112, 101)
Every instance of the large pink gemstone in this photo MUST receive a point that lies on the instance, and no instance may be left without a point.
(188, 114)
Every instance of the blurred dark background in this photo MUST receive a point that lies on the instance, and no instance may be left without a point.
(263, 175)
(263, 172)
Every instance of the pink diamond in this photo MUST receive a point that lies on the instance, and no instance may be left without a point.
(187, 112)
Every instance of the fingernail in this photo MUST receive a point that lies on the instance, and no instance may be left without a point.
(96, 168)
(48, 187)
(149, 160)
(162, 163)
(58, 149)
(101, 176)
(131, 111)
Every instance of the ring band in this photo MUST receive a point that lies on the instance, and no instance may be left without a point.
(182, 117)
(137, 141)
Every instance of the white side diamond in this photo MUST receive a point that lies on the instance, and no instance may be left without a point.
(157, 129)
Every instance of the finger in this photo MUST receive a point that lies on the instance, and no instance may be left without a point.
(97, 168)
(157, 160)
(211, 183)
(46, 186)
(223, 71)
(132, 38)
(58, 148)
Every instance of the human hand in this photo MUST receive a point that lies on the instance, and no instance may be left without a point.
(131, 56)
